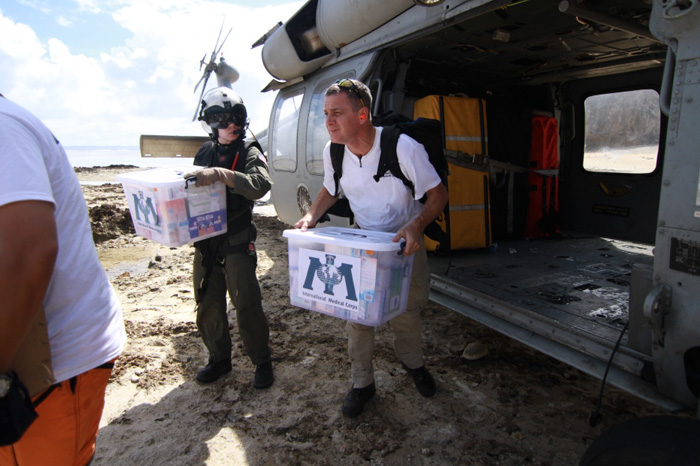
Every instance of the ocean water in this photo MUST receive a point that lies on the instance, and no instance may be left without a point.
(100, 157)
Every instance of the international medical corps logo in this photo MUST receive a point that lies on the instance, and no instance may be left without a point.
(329, 278)
(329, 274)
(144, 206)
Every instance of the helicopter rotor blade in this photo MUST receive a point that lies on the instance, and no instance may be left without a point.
(199, 102)
(223, 42)
(214, 52)
(212, 66)
(200, 81)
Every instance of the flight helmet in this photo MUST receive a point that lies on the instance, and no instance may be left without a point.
(220, 107)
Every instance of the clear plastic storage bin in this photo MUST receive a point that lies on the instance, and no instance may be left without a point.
(356, 275)
(167, 209)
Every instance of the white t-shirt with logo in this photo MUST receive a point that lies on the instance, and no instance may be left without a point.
(84, 317)
(385, 205)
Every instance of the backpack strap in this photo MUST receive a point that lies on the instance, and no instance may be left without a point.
(337, 153)
(341, 208)
(389, 159)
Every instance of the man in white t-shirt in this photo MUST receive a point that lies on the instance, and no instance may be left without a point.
(387, 205)
(51, 281)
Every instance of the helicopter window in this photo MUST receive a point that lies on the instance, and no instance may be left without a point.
(622, 132)
(316, 133)
(283, 145)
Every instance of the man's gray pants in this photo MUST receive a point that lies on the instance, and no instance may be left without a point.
(407, 328)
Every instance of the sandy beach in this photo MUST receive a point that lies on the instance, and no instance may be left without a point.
(511, 407)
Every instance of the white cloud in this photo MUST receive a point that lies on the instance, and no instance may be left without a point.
(88, 5)
(143, 85)
(63, 21)
(121, 58)
(18, 41)
(35, 4)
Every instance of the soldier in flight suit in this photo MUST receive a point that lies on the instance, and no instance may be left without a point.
(227, 263)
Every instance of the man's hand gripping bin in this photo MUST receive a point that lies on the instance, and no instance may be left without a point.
(167, 209)
(356, 275)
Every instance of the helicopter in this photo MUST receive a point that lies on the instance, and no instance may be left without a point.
(571, 134)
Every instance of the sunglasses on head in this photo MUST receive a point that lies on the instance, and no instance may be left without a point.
(222, 120)
(350, 86)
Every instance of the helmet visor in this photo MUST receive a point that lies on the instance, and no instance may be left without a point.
(221, 120)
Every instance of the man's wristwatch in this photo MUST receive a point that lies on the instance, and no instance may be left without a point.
(5, 384)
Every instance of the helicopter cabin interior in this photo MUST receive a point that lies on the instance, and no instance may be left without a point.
(555, 142)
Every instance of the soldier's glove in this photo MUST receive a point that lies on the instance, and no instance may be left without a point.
(209, 176)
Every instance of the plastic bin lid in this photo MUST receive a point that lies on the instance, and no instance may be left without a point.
(165, 176)
(348, 237)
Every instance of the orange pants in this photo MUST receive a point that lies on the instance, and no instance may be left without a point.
(65, 431)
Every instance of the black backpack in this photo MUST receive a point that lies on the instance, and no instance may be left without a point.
(424, 130)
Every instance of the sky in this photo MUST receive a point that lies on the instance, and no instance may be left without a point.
(103, 72)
